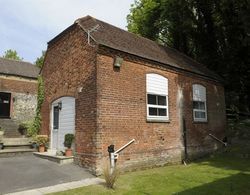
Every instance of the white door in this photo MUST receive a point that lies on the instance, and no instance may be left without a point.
(62, 121)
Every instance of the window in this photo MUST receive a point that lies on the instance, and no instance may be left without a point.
(199, 103)
(157, 97)
(55, 117)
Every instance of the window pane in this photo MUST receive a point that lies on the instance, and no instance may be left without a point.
(162, 112)
(199, 114)
(162, 100)
(153, 111)
(151, 99)
(56, 117)
(199, 105)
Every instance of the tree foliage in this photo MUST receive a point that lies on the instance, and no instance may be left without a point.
(12, 54)
(214, 32)
(39, 60)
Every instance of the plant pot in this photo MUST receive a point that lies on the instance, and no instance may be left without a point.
(68, 152)
(41, 148)
(33, 145)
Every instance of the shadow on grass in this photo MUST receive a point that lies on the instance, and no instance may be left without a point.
(235, 184)
(227, 160)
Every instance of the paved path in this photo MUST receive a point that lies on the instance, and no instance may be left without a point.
(60, 187)
(30, 172)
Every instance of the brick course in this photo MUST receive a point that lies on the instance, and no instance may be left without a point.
(18, 84)
(111, 105)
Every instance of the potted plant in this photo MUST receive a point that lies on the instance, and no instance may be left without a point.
(68, 140)
(41, 141)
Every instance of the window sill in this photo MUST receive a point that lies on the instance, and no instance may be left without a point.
(150, 120)
(200, 122)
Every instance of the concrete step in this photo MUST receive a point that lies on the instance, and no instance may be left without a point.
(9, 124)
(58, 159)
(10, 127)
(14, 152)
(29, 146)
(16, 141)
(12, 135)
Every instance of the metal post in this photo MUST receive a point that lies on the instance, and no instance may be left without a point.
(113, 155)
(111, 150)
(112, 162)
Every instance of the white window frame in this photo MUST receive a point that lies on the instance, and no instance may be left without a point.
(199, 98)
(153, 117)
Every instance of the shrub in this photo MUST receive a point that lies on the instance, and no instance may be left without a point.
(24, 127)
(68, 140)
(41, 139)
(110, 177)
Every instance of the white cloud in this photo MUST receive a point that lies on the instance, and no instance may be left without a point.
(27, 25)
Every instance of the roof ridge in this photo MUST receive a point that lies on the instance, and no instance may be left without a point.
(17, 60)
(133, 34)
(83, 18)
(106, 23)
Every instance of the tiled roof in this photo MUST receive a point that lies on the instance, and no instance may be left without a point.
(116, 38)
(119, 39)
(18, 68)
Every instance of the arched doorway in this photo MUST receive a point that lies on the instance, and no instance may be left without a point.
(62, 117)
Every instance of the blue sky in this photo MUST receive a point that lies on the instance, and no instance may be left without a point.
(27, 25)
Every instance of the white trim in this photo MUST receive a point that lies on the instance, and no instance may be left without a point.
(157, 118)
(199, 95)
(200, 119)
(157, 85)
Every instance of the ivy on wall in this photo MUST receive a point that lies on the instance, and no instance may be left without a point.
(36, 125)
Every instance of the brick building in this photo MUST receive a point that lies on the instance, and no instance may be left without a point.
(18, 89)
(108, 86)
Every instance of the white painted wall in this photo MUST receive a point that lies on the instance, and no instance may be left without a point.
(66, 122)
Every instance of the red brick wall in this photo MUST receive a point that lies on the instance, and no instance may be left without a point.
(70, 70)
(19, 85)
(121, 103)
(111, 109)
(198, 140)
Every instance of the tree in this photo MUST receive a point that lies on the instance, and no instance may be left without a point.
(12, 54)
(214, 32)
(39, 61)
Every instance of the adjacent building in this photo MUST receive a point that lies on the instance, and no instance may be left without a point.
(18, 89)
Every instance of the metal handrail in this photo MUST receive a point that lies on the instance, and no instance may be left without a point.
(125, 146)
(217, 139)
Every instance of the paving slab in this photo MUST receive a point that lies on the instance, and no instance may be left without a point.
(22, 173)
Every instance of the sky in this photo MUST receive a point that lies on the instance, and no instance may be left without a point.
(27, 25)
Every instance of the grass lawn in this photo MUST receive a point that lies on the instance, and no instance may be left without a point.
(220, 174)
